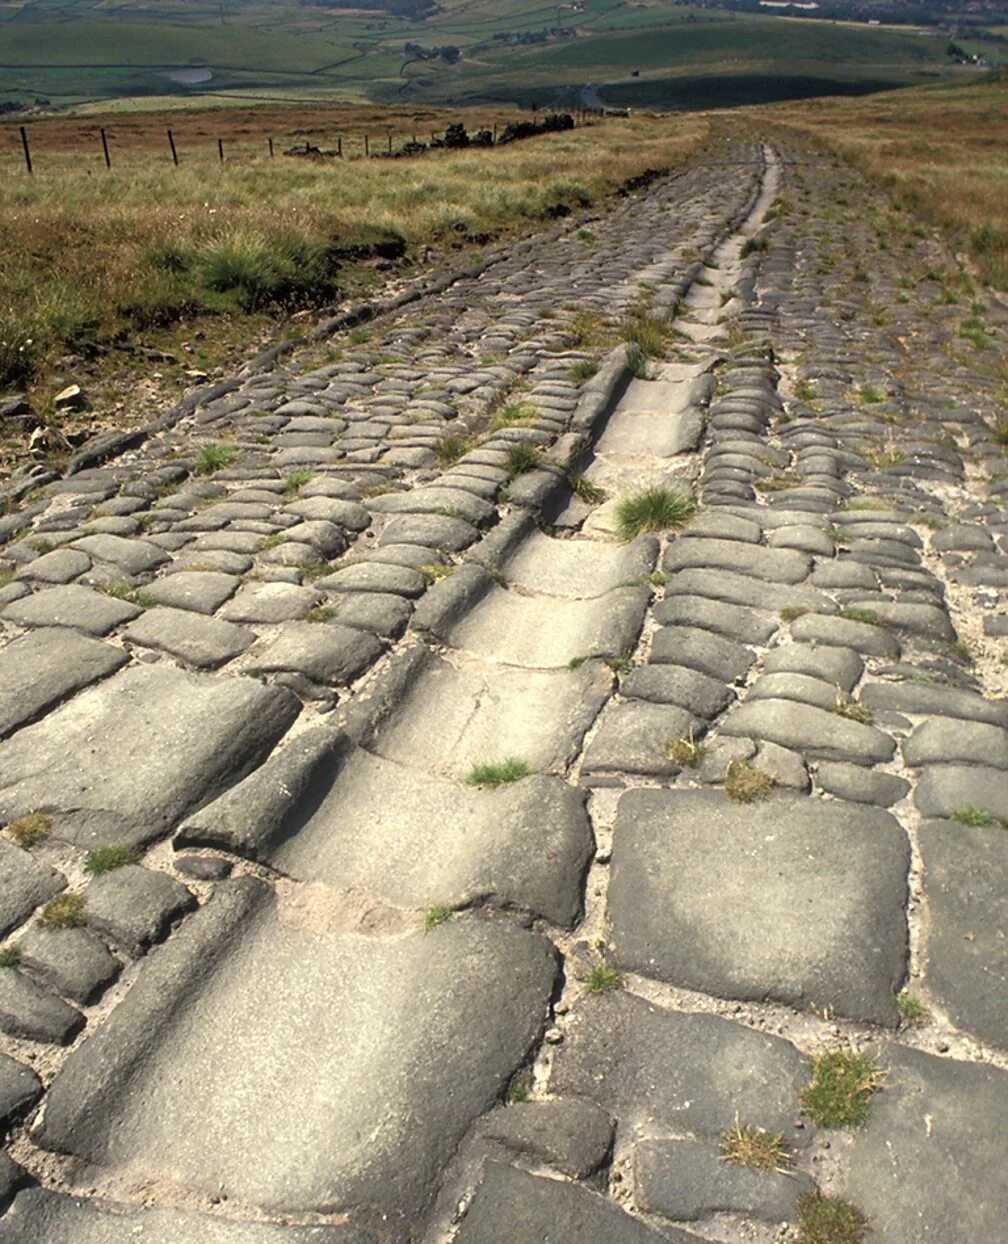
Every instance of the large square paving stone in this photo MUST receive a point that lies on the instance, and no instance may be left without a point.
(124, 761)
(268, 1055)
(929, 1167)
(795, 900)
(45, 666)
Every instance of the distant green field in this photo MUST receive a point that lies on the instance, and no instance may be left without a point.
(78, 51)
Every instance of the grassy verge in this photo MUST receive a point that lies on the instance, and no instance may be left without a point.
(95, 263)
(940, 151)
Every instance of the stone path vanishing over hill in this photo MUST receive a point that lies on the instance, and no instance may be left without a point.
(276, 973)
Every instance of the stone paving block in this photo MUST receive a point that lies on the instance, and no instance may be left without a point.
(943, 789)
(803, 727)
(571, 1135)
(688, 1179)
(792, 900)
(675, 684)
(577, 568)
(25, 884)
(433, 531)
(46, 666)
(861, 785)
(72, 961)
(377, 577)
(921, 699)
(78, 608)
(916, 1168)
(29, 1011)
(12, 1177)
(513, 1205)
(863, 637)
(270, 602)
(779, 566)
(38, 1214)
(135, 907)
(131, 557)
(709, 654)
(325, 652)
(59, 566)
(741, 589)
(662, 1072)
(191, 637)
(840, 667)
(929, 621)
(20, 1089)
(96, 765)
(634, 738)
(797, 687)
(378, 613)
(200, 591)
(260, 1004)
(943, 740)
(733, 621)
(965, 879)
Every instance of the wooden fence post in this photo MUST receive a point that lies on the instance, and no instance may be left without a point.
(220, 149)
(27, 151)
(270, 141)
(339, 147)
(390, 142)
(104, 143)
(174, 153)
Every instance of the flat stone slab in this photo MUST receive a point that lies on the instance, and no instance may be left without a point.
(325, 652)
(789, 900)
(733, 621)
(816, 733)
(864, 637)
(275, 1007)
(670, 1073)
(202, 591)
(577, 569)
(840, 667)
(742, 589)
(132, 557)
(699, 650)
(548, 633)
(377, 577)
(944, 789)
(675, 684)
(25, 884)
(571, 1135)
(634, 738)
(512, 1205)
(689, 1179)
(72, 961)
(41, 1215)
(74, 607)
(46, 666)
(197, 640)
(916, 1168)
(922, 699)
(966, 956)
(404, 836)
(97, 765)
(487, 713)
(861, 785)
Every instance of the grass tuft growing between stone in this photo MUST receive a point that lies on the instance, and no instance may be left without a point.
(657, 508)
(214, 457)
(583, 370)
(790, 613)
(433, 571)
(851, 613)
(513, 415)
(518, 1087)
(585, 490)
(490, 776)
(602, 978)
(755, 1147)
(976, 818)
(450, 449)
(296, 480)
(842, 1086)
(65, 911)
(686, 751)
(744, 783)
(28, 831)
(10, 956)
(852, 709)
(521, 457)
(912, 1010)
(437, 915)
(107, 859)
(828, 1220)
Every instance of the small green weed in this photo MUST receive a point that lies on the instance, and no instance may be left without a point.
(744, 783)
(296, 481)
(28, 831)
(582, 370)
(107, 859)
(434, 571)
(603, 978)
(65, 911)
(585, 490)
(756, 1148)
(214, 457)
(686, 751)
(870, 395)
(521, 457)
(518, 1087)
(437, 915)
(790, 613)
(851, 709)
(828, 1220)
(969, 814)
(851, 613)
(320, 613)
(10, 956)
(491, 775)
(912, 1010)
(450, 449)
(843, 1084)
(513, 415)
